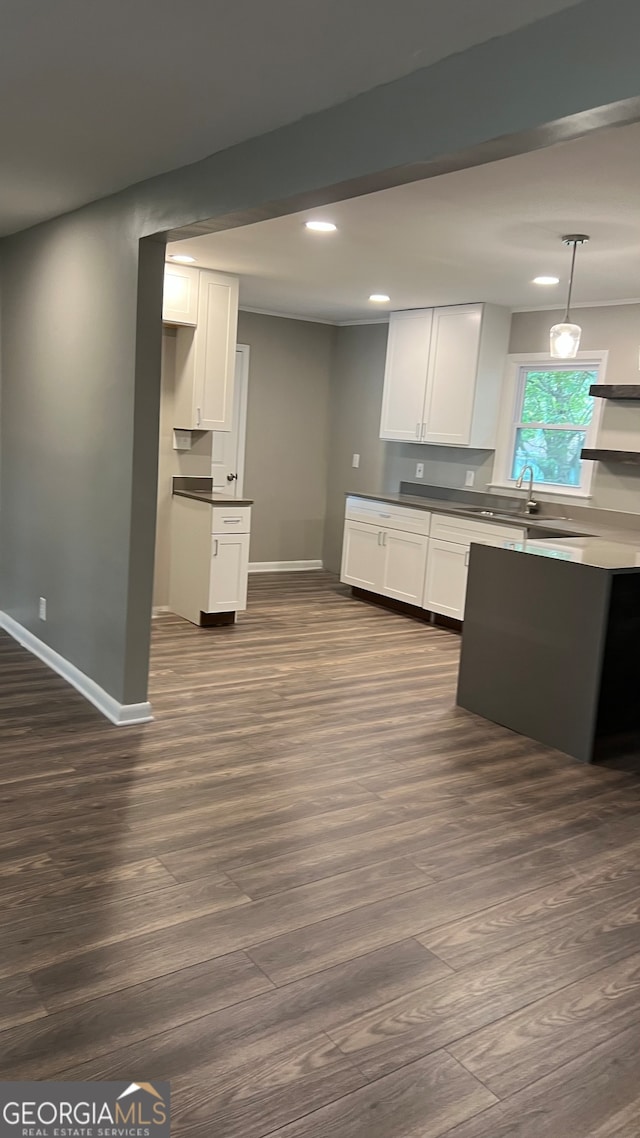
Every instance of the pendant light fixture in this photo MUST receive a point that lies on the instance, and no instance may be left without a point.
(565, 337)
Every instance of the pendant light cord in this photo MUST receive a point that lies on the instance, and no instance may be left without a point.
(573, 265)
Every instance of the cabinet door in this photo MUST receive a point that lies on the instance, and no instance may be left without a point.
(362, 556)
(216, 351)
(405, 376)
(446, 579)
(180, 296)
(229, 568)
(404, 565)
(451, 380)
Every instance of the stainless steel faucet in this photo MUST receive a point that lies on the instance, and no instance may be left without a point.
(531, 505)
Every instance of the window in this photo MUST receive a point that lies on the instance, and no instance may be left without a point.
(548, 417)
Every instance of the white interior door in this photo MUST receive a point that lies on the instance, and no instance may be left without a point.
(227, 447)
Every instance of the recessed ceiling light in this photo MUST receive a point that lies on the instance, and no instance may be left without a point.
(182, 258)
(379, 297)
(546, 280)
(321, 226)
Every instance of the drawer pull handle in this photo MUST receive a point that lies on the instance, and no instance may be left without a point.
(232, 521)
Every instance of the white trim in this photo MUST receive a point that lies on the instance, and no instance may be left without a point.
(282, 566)
(503, 456)
(576, 307)
(287, 315)
(383, 319)
(121, 714)
(160, 610)
(365, 320)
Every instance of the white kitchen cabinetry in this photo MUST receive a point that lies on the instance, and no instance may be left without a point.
(385, 549)
(180, 296)
(209, 558)
(449, 552)
(443, 375)
(405, 375)
(446, 583)
(414, 556)
(206, 358)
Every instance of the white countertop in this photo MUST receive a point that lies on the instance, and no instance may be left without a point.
(596, 551)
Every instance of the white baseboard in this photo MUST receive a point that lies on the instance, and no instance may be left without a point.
(121, 714)
(282, 566)
(160, 610)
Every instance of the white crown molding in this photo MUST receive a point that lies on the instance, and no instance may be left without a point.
(384, 319)
(288, 316)
(282, 566)
(120, 714)
(371, 320)
(577, 307)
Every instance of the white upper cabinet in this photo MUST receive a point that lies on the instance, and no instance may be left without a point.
(405, 376)
(443, 375)
(206, 357)
(180, 296)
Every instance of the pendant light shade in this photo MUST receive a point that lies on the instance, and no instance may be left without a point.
(565, 341)
(565, 338)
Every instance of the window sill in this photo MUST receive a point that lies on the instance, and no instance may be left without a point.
(543, 493)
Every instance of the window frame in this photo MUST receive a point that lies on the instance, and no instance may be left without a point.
(512, 401)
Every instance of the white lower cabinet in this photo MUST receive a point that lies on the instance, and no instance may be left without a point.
(406, 553)
(229, 568)
(209, 558)
(404, 564)
(362, 556)
(386, 561)
(446, 581)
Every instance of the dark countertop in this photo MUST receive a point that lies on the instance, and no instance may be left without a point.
(554, 525)
(210, 498)
(598, 552)
(201, 490)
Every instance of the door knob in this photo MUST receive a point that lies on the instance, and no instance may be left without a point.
(231, 477)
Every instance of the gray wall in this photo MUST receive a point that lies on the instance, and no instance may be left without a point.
(356, 396)
(615, 328)
(287, 434)
(80, 348)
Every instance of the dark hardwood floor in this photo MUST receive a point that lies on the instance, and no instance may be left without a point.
(315, 895)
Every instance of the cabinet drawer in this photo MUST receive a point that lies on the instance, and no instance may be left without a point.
(228, 519)
(465, 530)
(387, 515)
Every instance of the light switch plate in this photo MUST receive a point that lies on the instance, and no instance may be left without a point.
(470, 478)
(420, 470)
(355, 461)
(42, 608)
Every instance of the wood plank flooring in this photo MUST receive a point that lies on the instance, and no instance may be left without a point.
(315, 895)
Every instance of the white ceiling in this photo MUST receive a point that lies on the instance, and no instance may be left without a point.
(479, 234)
(99, 95)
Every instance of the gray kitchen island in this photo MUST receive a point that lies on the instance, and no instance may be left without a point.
(551, 642)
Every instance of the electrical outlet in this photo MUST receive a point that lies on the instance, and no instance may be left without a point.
(420, 470)
(469, 478)
(355, 461)
(42, 608)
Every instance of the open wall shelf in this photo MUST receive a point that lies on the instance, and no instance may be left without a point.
(627, 391)
(628, 457)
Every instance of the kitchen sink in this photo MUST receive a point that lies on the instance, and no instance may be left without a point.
(539, 519)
